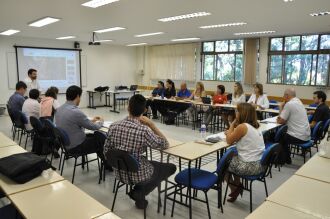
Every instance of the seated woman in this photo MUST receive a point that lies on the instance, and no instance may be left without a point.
(164, 106)
(49, 104)
(197, 96)
(250, 146)
(219, 98)
(259, 99)
(157, 92)
(237, 97)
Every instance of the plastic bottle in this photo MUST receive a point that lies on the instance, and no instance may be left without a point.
(203, 131)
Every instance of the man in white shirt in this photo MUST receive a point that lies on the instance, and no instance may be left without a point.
(31, 81)
(294, 115)
(31, 107)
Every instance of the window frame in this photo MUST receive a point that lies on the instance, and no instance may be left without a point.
(215, 54)
(284, 54)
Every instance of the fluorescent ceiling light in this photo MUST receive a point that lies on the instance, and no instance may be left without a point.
(137, 44)
(288, 1)
(98, 3)
(223, 25)
(109, 29)
(185, 16)
(9, 32)
(320, 14)
(43, 22)
(102, 41)
(149, 34)
(65, 37)
(185, 39)
(255, 33)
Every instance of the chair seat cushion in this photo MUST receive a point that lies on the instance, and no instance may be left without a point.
(269, 143)
(308, 144)
(200, 179)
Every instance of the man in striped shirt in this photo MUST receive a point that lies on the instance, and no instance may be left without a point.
(135, 134)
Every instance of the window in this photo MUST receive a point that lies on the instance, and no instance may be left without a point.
(222, 60)
(299, 60)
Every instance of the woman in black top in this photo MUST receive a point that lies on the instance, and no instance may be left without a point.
(170, 89)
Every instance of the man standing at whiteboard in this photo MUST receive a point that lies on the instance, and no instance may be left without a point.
(32, 81)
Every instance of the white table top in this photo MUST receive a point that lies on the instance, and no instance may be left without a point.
(305, 195)
(109, 215)
(58, 200)
(15, 149)
(6, 141)
(272, 210)
(317, 168)
(122, 91)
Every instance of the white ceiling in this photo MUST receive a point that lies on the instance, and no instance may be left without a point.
(140, 16)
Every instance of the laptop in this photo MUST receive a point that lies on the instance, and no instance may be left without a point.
(206, 100)
(133, 87)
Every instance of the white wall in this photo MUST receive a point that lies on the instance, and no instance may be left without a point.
(272, 90)
(107, 65)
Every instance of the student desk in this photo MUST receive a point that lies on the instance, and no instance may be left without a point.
(115, 93)
(91, 95)
(305, 195)
(272, 210)
(10, 187)
(109, 215)
(173, 143)
(58, 200)
(317, 168)
(6, 141)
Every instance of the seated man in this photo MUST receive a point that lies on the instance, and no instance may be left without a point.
(31, 107)
(322, 112)
(293, 114)
(134, 134)
(157, 92)
(72, 120)
(183, 92)
(16, 101)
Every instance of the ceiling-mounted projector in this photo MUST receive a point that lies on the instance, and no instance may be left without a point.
(94, 41)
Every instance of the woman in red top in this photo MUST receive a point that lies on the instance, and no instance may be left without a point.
(219, 98)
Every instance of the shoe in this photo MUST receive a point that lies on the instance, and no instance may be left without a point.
(235, 194)
(288, 161)
(141, 204)
(241, 193)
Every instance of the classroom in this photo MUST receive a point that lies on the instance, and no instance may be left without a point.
(116, 109)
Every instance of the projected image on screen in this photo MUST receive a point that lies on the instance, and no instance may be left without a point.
(60, 68)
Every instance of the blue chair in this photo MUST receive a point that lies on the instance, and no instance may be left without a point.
(312, 105)
(20, 122)
(306, 147)
(203, 180)
(266, 161)
(326, 129)
(278, 135)
(310, 117)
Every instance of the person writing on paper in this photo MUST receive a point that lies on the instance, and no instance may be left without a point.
(135, 134)
(322, 112)
(249, 144)
(74, 122)
(31, 81)
(237, 97)
(293, 114)
(219, 98)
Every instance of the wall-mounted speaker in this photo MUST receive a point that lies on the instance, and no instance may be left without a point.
(76, 45)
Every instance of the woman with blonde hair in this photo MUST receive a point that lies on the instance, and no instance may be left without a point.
(249, 144)
(197, 96)
(237, 97)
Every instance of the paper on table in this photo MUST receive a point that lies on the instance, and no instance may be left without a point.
(270, 120)
(106, 124)
(219, 136)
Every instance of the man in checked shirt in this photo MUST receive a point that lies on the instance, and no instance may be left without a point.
(134, 134)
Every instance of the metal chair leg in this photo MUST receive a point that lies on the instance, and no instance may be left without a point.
(251, 196)
(175, 190)
(207, 204)
(74, 169)
(266, 190)
(114, 198)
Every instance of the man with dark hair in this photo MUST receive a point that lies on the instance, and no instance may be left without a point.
(31, 107)
(134, 134)
(322, 112)
(15, 102)
(31, 81)
(74, 122)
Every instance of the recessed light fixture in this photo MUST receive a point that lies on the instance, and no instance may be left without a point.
(65, 37)
(186, 39)
(320, 14)
(102, 41)
(184, 16)
(109, 29)
(98, 3)
(9, 32)
(137, 44)
(149, 34)
(43, 22)
(255, 33)
(288, 1)
(223, 25)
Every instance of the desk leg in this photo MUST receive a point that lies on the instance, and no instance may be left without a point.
(114, 104)
(165, 191)
(189, 189)
(91, 100)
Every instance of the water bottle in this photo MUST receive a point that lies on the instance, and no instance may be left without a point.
(162, 95)
(203, 131)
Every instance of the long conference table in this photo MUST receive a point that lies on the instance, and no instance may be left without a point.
(48, 195)
(304, 195)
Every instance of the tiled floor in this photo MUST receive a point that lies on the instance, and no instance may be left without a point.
(125, 208)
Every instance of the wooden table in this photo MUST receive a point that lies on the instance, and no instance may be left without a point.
(173, 143)
(272, 210)
(14, 149)
(6, 141)
(317, 168)
(109, 215)
(305, 195)
(58, 200)
(114, 93)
